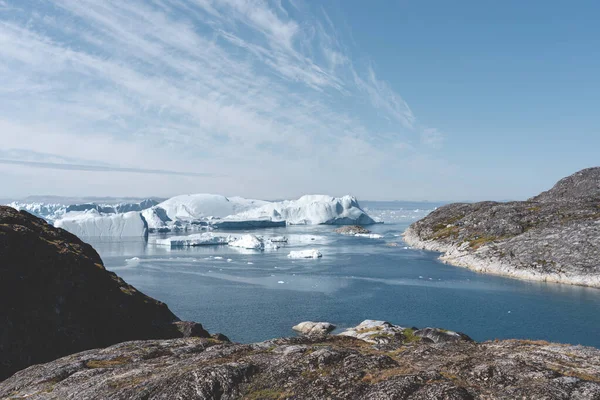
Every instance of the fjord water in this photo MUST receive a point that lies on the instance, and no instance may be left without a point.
(252, 296)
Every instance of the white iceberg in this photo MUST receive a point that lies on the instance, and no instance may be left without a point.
(312, 210)
(313, 253)
(369, 235)
(248, 242)
(92, 223)
(200, 239)
(199, 206)
(157, 219)
(278, 239)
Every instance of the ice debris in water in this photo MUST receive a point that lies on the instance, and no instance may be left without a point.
(312, 253)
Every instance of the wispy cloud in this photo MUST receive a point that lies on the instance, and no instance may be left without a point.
(233, 88)
(98, 168)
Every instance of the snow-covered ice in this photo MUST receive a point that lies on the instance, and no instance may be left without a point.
(312, 253)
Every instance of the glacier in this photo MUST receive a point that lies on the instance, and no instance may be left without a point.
(92, 223)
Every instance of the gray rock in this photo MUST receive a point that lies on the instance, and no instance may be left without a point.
(309, 367)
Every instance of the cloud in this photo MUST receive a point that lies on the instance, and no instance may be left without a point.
(234, 88)
(96, 168)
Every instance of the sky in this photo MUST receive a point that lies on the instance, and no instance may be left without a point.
(386, 100)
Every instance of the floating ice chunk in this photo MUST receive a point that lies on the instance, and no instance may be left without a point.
(248, 242)
(229, 260)
(280, 282)
(313, 253)
(218, 258)
(132, 260)
(199, 239)
(250, 263)
(278, 239)
(369, 235)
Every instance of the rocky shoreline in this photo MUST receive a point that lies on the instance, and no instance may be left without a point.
(553, 237)
(461, 256)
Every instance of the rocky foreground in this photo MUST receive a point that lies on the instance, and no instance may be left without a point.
(552, 237)
(405, 365)
(56, 297)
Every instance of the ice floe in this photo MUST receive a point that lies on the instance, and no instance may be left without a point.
(312, 253)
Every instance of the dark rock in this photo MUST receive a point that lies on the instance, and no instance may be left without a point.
(56, 297)
(552, 237)
(325, 367)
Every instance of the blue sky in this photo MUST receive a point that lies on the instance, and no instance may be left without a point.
(414, 100)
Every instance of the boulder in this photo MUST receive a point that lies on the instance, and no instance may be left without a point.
(314, 328)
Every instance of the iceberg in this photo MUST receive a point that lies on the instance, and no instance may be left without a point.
(312, 210)
(119, 208)
(200, 239)
(199, 206)
(313, 253)
(157, 219)
(92, 223)
(198, 211)
(369, 235)
(248, 242)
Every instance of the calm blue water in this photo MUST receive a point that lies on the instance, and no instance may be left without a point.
(357, 279)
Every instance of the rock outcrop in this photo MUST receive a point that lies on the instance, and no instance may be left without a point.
(383, 332)
(56, 298)
(352, 230)
(552, 237)
(315, 367)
